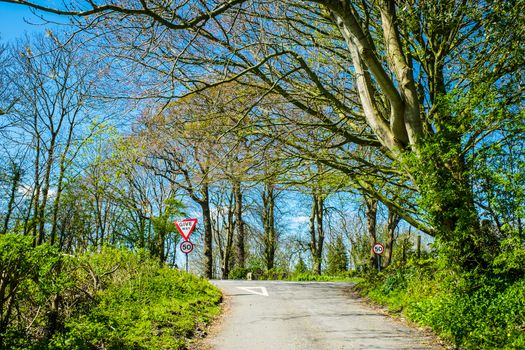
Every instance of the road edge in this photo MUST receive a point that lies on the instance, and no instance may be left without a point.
(399, 317)
(213, 327)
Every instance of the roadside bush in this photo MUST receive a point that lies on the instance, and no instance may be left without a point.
(274, 274)
(138, 305)
(308, 276)
(300, 267)
(492, 316)
(336, 257)
(238, 273)
(470, 310)
(31, 280)
(112, 299)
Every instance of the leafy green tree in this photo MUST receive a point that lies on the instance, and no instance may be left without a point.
(389, 77)
(300, 266)
(164, 226)
(30, 280)
(337, 257)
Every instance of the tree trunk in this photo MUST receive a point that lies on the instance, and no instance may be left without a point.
(392, 222)
(313, 237)
(240, 248)
(227, 249)
(269, 225)
(228, 246)
(208, 233)
(371, 219)
(56, 204)
(16, 176)
(320, 232)
(443, 178)
(317, 232)
(32, 227)
(45, 189)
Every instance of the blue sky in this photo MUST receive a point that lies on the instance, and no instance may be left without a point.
(16, 20)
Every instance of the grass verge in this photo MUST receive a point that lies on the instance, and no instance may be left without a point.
(113, 299)
(469, 311)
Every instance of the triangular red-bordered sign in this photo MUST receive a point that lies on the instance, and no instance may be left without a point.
(186, 227)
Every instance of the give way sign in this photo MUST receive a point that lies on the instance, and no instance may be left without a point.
(186, 227)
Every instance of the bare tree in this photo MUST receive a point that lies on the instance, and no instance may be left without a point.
(52, 84)
(389, 66)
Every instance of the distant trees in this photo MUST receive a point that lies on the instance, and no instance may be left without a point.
(51, 90)
(337, 257)
(71, 181)
(317, 229)
(401, 98)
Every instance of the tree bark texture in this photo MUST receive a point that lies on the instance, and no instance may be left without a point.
(270, 237)
(239, 224)
(207, 239)
(317, 232)
(371, 219)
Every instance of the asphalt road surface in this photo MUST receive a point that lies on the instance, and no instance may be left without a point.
(275, 315)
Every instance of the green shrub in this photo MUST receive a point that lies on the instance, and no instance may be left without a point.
(300, 267)
(348, 276)
(139, 305)
(490, 317)
(112, 299)
(238, 273)
(274, 274)
(31, 277)
(471, 311)
(337, 257)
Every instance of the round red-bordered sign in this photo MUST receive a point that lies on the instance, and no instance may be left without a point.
(186, 247)
(378, 249)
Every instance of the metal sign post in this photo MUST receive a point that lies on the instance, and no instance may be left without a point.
(185, 228)
(378, 250)
(186, 247)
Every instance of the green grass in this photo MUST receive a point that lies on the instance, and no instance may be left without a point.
(283, 275)
(113, 299)
(153, 308)
(323, 278)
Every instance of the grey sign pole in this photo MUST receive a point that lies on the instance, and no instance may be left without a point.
(186, 247)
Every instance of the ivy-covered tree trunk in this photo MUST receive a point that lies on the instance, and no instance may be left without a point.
(240, 247)
(446, 194)
(317, 232)
(268, 218)
(207, 239)
(392, 222)
(371, 220)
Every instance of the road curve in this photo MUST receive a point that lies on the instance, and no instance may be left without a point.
(268, 315)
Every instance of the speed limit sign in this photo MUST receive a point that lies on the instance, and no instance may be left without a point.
(378, 249)
(186, 247)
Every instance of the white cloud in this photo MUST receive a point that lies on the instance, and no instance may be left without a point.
(299, 219)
